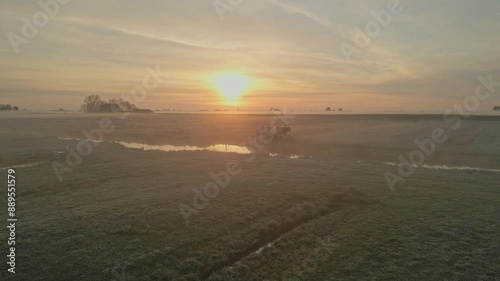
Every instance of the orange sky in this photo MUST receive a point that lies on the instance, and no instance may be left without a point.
(427, 57)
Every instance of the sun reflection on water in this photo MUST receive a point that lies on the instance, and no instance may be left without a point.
(225, 148)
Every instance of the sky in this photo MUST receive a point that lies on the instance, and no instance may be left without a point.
(427, 56)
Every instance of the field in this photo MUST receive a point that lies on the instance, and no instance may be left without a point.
(326, 214)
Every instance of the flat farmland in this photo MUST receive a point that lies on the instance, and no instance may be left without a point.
(312, 206)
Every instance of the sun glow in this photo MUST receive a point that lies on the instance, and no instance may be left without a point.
(232, 85)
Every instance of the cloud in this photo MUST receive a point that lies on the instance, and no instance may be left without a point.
(429, 52)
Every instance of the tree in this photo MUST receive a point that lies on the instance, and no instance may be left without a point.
(5, 107)
(110, 107)
(328, 109)
(92, 103)
(15, 108)
(497, 108)
(124, 104)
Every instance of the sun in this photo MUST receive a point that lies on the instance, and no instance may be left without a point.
(231, 85)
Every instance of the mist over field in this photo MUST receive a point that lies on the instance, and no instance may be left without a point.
(249, 140)
(315, 205)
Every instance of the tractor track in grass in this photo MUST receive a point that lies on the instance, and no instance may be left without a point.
(274, 237)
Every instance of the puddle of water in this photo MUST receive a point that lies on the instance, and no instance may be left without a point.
(78, 139)
(230, 149)
(444, 167)
(268, 245)
(172, 148)
(29, 165)
(225, 148)
(294, 156)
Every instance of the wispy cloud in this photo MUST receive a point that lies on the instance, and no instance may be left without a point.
(427, 57)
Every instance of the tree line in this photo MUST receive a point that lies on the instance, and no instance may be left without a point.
(333, 109)
(8, 107)
(94, 103)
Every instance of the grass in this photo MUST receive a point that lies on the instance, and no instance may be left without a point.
(326, 218)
